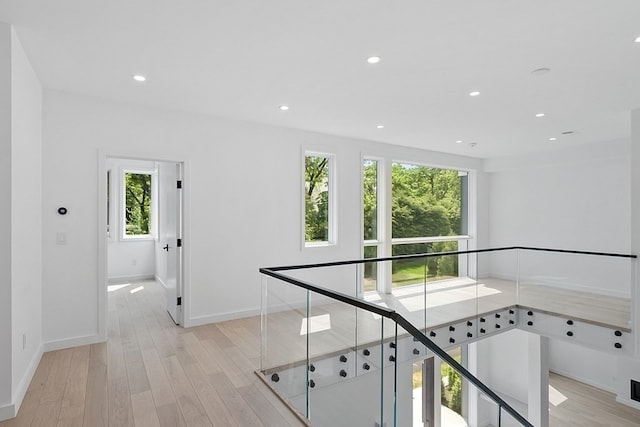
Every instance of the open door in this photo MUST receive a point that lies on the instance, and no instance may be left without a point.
(170, 235)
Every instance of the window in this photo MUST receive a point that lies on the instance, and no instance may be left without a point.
(428, 213)
(318, 204)
(137, 217)
(370, 172)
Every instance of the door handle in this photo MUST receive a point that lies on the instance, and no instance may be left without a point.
(166, 247)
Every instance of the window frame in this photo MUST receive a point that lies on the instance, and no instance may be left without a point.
(385, 242)
(332, 228)
(381, 215)
(153, 205)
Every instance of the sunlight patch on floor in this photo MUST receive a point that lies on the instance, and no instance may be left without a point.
(113, 288)
(416, 303)
(138, 289)
(555, 397)
(318, 323)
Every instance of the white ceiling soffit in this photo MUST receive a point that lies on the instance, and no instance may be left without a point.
(244, 59)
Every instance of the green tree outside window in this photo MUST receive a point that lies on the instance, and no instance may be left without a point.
(138, 204)
(316, 198)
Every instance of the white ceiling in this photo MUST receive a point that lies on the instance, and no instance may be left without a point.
(245, 58)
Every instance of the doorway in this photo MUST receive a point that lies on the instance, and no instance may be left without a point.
(141, 230)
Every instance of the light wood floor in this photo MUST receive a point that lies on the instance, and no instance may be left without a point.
(587, 406)
(152, 373)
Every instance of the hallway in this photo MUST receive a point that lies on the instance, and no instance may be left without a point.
(152, 373)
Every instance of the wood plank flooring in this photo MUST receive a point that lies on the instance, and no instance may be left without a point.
(587, 406)
(153, 373)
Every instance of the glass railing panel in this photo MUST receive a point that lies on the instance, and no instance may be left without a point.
(345, 279)
(283, 347)
(422, 287)
(447, 393)
(482, 410)
(416, 271)
(370, 270)
(346, 364)
(588, 287)
(497, 274)
(507, 420)
(451, 298)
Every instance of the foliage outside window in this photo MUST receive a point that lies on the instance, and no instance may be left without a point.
(451, 384)
(426, 203)
(370, 199)
(317, 198)
(137, 209)
(370, 221)
(421, 270)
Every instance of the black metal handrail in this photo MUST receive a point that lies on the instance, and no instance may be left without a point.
(404, 323)
(435, 254)
(408, 326)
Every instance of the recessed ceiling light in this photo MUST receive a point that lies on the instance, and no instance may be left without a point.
(553, 138)
(540, 115)
(373, 59)
(139, 78)
(474, 93)
(284, 107)
(541, 71)
(380, 126)
(637, 40)
(473, 144)
(459, 141)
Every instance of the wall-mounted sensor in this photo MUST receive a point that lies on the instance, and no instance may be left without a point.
(62, 210)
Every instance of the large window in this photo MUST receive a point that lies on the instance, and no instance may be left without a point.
(318, 203)
(428, 208)
(137, 217)
(428, 213)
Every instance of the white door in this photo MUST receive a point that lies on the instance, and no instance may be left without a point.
(170, 231)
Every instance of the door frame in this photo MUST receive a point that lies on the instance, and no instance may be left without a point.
(103, 301)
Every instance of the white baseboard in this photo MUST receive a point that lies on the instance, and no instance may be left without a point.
(7, 412)
(114, 280)
(583, 380)
(23, 386)
(72, 342)
(628, 402)
(203, 320)
(159, 280)
(11, 410)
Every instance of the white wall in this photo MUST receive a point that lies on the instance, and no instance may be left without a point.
(242, 202)
(565, 199)
(5, 217)
(629, 368)
(26, 229)
(128, 259)
(507, 355)
(583, 364)
(20, 222)
(568, 199)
